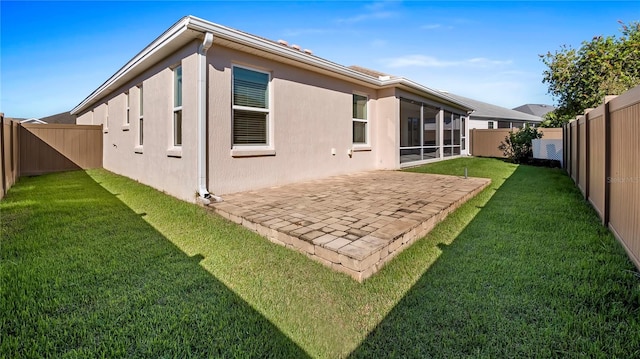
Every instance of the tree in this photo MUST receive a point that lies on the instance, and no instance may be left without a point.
(517, 146)
(552, 119)
(579, 79)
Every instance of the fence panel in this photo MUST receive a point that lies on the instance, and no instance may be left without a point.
(484, 143)
(611, 177)
(582, 155)
(55, 148)
(624, 180)
(551, 133)
(9, 167)
(596, 175)
(574, 151)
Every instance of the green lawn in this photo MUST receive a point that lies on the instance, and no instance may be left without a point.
(97, 265)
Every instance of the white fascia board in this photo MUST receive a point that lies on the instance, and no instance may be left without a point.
(256, 42)
(147, 53)
(287, 52)
(507, 118)
(436, 94)
(191, 27)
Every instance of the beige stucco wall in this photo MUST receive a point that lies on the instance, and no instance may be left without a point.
(386, 129)
(85, 118)
(311, 114)
(156, 164)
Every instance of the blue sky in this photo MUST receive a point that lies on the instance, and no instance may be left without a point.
(54, 54)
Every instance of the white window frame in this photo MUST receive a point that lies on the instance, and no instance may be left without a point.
(106, 117)
(127, 111)
(267, 149)
(367, 144)
(140, 128)
(176, 109)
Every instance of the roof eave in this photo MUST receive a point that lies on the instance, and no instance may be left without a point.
(513, 118)
(437, 95)
(150, 54)
(190, 27)
(256, 42)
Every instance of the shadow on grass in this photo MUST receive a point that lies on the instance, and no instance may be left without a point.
(82, 274)
(513, 284)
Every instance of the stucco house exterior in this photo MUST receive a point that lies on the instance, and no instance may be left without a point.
(206, 110)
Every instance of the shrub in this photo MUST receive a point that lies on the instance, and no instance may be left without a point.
(517, 145)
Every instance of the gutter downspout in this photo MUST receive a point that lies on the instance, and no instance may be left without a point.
(204, 196)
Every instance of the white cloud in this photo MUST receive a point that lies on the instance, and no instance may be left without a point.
(431, 26)
(430, 61)
(374, 11)
(500, 82)
(370, 16)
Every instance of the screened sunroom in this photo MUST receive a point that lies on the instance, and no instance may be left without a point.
(429, 132)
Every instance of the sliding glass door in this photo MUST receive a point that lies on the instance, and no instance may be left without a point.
(452, 134)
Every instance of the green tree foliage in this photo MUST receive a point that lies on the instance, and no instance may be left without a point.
(552, 119)
(580, 78)
(517, 146)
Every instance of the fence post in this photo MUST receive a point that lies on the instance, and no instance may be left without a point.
(578, 141)
(566, 153)
(587, 157)
(15, 149)
(4, 176)
(471, 141)
(607, 161)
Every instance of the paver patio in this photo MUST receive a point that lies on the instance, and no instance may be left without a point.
(352, 223)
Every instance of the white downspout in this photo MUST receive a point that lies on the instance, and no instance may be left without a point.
(203, 194)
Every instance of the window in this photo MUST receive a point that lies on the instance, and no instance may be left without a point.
(140, 117)
(177, 106)
(127, 118)
(106, 117)
(490, 125)
(250, 107)
(504, 124)
(359, 119)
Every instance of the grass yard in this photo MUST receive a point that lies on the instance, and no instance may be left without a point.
(97, 265)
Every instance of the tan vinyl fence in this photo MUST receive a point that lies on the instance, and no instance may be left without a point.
(32, 149)
(484, 143)
(9, 153)
(603, 159)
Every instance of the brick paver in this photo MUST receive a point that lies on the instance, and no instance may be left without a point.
(357, 222)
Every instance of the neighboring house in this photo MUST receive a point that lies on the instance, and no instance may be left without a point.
(25, 120)
(535, 109)
(488, 116)
(60, 118)
(34, 121)
(206, 109)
